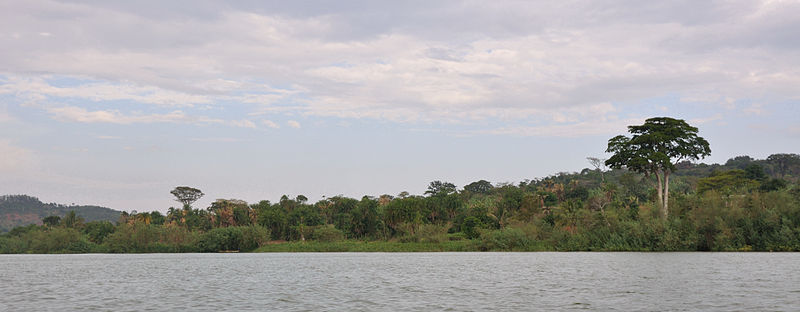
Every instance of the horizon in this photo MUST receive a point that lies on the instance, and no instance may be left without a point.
(115, 103)
(459, 188)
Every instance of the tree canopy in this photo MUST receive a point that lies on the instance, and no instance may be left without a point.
(654, 148)
(186, 195)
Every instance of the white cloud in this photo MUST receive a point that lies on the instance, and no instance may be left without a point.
(270, 124)
(539, 59)
(243, 124)
(755, 109)
(293, 124)
(107, 91)
(78, 114)
(570, 130)
(705, 120)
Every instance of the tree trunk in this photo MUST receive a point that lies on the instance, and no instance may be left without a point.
(659, 190)
(666, 193)
(603, 212)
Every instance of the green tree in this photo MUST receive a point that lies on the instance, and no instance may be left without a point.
(726, 182)
(470, 227)
(97, 231)
(51, 221)
(440, 188)
(654, 148)
(71, 220)
(186, 195)
(157, 218)
(479, 187)
(755, 172)
(784, 162)
(273, 218)
(599, 164)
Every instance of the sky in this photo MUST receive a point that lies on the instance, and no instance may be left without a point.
(115, 103)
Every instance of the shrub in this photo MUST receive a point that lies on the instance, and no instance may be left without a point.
(430, 233)
(506, 239)
(253, 236)
(52, 241)
(328, 233)
(98, 230)
(456, 236)
(233, 238)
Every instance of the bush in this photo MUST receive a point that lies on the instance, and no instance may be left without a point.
(430, 233)
(425, 233)
(134, 238)
(456, 236)
(328, 233)
(54, 240)
(80, 246)
(12, 245)
(98, 230)
(507, 239)
(471, 227)
(253, 236)
(233, 238)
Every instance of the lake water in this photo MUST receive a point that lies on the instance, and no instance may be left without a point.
(402, 282)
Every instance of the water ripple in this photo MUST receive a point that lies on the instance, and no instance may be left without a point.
(401, 282)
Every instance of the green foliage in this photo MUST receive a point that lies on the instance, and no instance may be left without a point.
(186, 195)
(97, 231)
(656, 145)
(508, 239)
(234, 238)
(727, 182)
(471, 227)
(479, 187)
(274, 219)
(370, 246)
(747, 204)
(654, 148)
(143, 238)
(51, 220)
(439, 188)
(426, 233)
(773, 185)
(55, 240)
(327, 233)
(20, 210)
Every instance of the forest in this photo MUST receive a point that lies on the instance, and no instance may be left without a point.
(17, 210)
(616, 204)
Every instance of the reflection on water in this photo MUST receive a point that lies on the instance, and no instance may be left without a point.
(402, 281)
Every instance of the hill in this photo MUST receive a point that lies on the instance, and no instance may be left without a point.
(18, 210)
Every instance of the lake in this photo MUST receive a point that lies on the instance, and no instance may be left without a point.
(402, 282)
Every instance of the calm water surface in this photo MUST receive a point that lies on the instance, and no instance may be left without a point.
(402, 282)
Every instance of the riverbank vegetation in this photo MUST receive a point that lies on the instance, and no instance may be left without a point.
(745, 204)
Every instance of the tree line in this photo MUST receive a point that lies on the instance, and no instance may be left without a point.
(648, 196)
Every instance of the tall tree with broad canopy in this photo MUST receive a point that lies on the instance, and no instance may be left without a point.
(186, 195)
(437, 188)
(479, 187)
(654, 148)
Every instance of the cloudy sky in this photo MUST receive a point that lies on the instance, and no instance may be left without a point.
(117, 102)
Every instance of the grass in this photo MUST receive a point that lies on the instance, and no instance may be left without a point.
(369, 246)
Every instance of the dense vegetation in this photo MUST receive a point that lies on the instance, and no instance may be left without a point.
(744, 204)
(19, 210)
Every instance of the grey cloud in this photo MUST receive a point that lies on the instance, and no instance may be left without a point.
(411, 61)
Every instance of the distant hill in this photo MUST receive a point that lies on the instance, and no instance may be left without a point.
(17, 210)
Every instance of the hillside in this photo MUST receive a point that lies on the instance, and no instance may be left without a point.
(17, 210)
